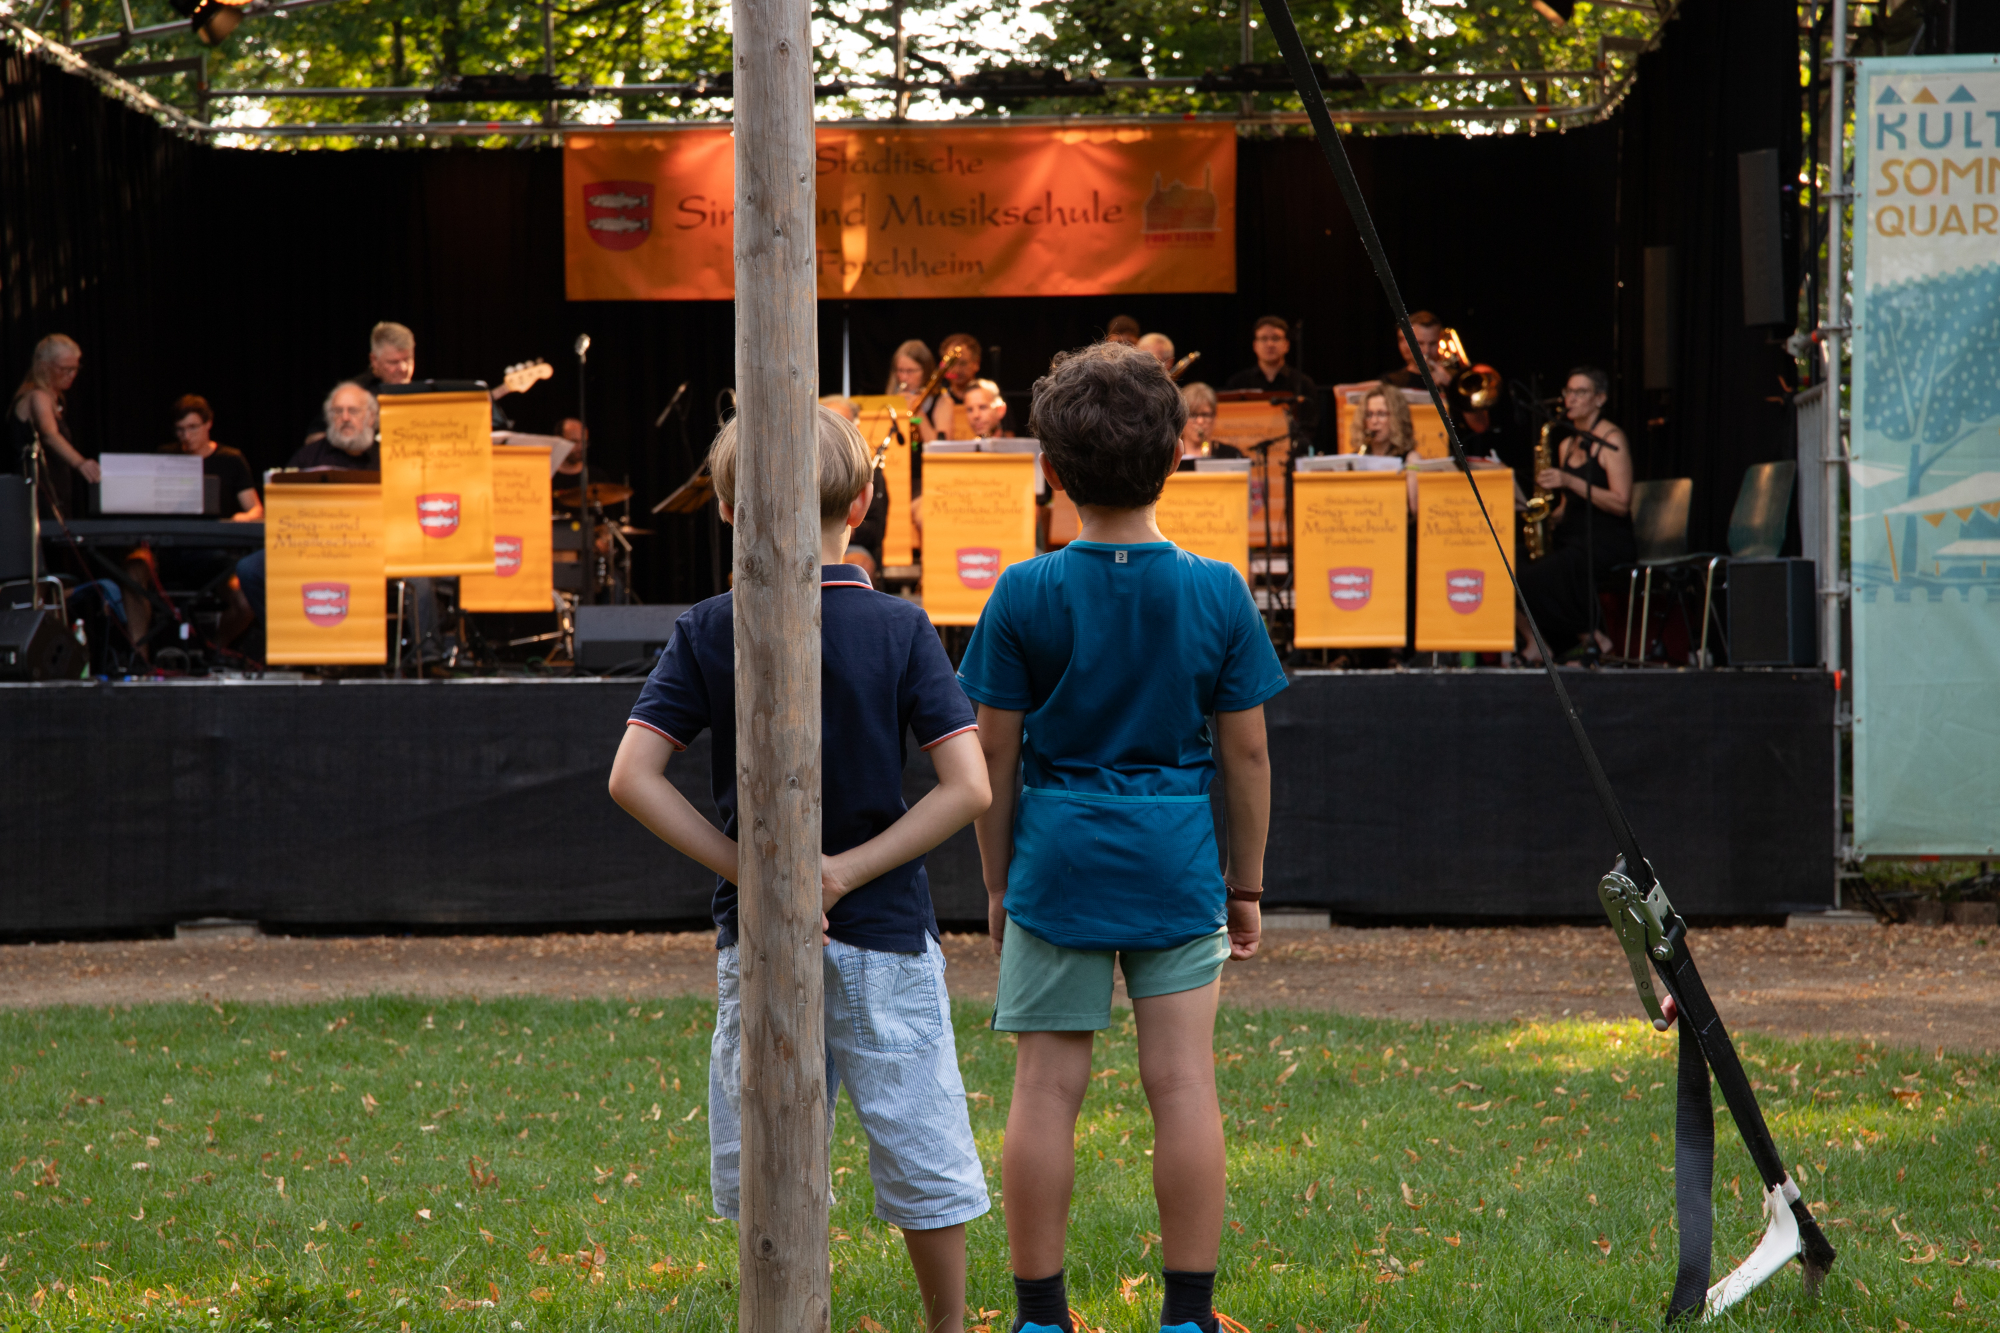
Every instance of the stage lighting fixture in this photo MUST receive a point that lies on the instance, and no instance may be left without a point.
(212, 20)
(1557, 12)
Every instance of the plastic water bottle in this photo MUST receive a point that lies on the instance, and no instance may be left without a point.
(83, 639)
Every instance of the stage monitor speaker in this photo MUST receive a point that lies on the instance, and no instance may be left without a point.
(1772, 620)
(1758, 215)
(1661, 313)
(36, 645)
(616, 636)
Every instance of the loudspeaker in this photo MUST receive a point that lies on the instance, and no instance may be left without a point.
(1757, 209)
(1772, 620)
(614, 636)
(36, 645)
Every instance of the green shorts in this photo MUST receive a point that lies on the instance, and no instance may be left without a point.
(1047, 988)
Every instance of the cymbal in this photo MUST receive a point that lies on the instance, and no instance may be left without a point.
(601, 493)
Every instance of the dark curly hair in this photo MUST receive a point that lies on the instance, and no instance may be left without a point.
(1110, 421)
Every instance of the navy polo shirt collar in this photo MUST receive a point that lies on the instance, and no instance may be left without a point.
(830, 575)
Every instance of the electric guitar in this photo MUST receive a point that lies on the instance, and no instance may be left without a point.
(522, 376)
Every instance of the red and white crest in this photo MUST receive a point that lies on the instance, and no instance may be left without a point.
(437, 514)
(1465, 589)
(978, 566)
(1350, 586)
(618, 214)
(506, 557)
(326, 603)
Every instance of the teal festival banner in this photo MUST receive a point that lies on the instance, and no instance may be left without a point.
(1924, 473)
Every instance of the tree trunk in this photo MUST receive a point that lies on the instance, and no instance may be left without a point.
(783, 1234)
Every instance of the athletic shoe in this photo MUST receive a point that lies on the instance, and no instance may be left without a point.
(1223, 1324)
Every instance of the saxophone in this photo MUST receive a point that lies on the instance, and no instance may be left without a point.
(1539, 516)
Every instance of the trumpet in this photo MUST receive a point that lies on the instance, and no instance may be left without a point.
(1477, 387)
(951, 358)
(1181, 366)
(1538, 517)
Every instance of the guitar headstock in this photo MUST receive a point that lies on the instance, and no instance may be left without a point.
(523, 375)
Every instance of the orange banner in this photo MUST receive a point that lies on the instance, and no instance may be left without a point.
(1208, 513)
(879, 413)
(1352, 559)
(917, 210)
(324, 595)
(1244, 425)
(523, 573)
(979, 518)
(1464, 603)
(437, 483)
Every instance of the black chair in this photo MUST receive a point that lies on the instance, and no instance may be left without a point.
(1659, 532)
(1756, 527)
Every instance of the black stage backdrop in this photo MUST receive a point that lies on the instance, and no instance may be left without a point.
(1403, 795)
(252, 277)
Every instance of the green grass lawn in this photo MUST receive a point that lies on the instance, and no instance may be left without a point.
(395, 1164)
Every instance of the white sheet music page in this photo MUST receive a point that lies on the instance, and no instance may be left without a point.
(150, 484)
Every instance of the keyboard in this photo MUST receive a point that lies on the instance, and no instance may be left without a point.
(156, 531)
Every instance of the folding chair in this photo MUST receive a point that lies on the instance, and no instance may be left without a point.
(1659, 531)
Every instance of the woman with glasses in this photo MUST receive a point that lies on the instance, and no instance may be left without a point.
(1197, 436)
(1593, 526)
(36, 413)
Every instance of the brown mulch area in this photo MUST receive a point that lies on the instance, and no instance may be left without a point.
(1906, 985)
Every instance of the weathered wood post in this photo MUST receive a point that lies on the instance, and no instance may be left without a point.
(783, 1232)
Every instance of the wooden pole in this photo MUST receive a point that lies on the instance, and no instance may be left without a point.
(782, 1236)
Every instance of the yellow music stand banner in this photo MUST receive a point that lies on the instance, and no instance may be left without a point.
(325, 601)
(1244, 424)
(1464, 602)
(1208, 513)
(437, 483)
(522, 577)
(979, 518)
(880, 414)
(1351, 560)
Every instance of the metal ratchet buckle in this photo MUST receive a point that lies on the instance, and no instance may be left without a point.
(1645, 925)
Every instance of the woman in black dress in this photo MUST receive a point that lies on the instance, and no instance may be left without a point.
(1593, 526)
(37, 411)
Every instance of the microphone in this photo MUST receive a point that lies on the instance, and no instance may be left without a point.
(672, 403)
(582, 345)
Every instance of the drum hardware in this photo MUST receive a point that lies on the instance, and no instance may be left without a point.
(601, 493)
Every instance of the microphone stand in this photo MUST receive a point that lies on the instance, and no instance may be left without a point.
(587, 562)
(1262, 449)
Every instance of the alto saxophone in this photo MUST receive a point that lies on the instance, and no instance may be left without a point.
(1539, 516)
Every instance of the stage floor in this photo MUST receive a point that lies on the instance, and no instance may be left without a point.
(1398, 795)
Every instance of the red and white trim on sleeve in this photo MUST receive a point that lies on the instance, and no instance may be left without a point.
(635, 722)
(948, 735)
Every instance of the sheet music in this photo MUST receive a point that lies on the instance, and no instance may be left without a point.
(150, 484)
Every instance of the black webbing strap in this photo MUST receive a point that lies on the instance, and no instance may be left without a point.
(1705, 1042)
(1279, 15)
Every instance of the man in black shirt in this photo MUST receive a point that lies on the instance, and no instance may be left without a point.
(1429, 330)
(193, 420)
(392, 359)
(1271, 340)
(348, 441)
(184, 568)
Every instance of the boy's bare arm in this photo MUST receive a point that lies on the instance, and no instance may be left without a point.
(639, 784)
(1000, 739)
(1245, 761)
(956, 801)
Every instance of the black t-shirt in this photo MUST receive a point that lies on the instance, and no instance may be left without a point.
(1287, 380)
(234, 470)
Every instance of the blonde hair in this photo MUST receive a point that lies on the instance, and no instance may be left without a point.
(1402, 435)
(991, 388)
(1198, 397)
(1153, 342)
(847, 407)
(391, 334)
(843, 462)
(41, 363)
(918, 351)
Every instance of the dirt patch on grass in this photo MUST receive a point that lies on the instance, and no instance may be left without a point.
(1911, 986)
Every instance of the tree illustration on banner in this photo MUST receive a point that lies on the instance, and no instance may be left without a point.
(1933, 349)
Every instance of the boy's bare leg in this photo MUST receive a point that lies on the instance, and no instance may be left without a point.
(1177, 1068)
(1038, 1159)
(938, 1256)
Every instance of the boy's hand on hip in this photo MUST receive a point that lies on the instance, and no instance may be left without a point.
(1246, 928)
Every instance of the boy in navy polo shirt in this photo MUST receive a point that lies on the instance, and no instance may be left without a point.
(1097, 670)
(888, 1017)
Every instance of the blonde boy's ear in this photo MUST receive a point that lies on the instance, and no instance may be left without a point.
(1049, 471)
(857, 512)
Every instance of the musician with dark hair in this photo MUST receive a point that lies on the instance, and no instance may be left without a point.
(1429, 330)
(1271, 342)
(1593, 526)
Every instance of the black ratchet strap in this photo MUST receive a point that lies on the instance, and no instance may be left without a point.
(1653, 934)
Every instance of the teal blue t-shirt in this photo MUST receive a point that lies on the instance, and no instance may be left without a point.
(1118, 655)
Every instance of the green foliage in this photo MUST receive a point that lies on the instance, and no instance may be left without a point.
(416, 43)
(362, 1166)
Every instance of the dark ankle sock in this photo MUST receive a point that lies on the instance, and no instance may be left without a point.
(1190, 1300)
(1041, 1300)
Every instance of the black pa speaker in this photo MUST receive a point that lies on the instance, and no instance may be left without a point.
(616, 636)
(36, 645)
(1771, 613)
(1760, 220)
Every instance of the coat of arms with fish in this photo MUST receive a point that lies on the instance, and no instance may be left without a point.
(618, 214)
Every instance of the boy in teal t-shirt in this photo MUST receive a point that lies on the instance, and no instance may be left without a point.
(1097, 670)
